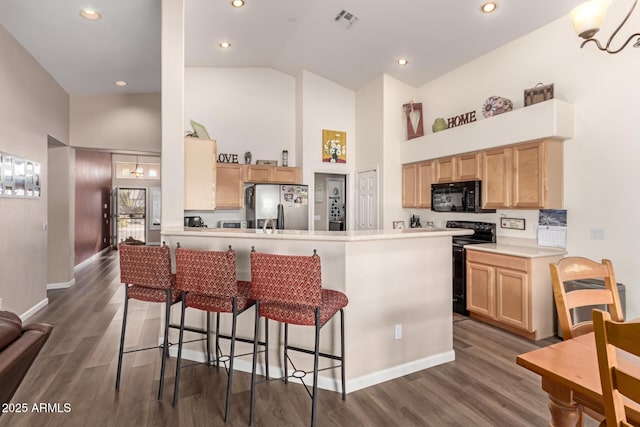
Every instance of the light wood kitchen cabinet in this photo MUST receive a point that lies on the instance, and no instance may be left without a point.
(523, 176)
(409, 185)
(425, 179)
(229, 186)
(286, 175)
(416, 185)
(496, 182)
(463, 167)
(273, 174)
(511, 292)
(199, 174)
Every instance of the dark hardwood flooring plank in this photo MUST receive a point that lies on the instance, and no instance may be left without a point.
(483, 387)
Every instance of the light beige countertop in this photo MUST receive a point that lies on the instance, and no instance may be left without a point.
(343, 236)
(521, 251)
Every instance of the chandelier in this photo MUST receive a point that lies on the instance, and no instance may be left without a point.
(587, 19)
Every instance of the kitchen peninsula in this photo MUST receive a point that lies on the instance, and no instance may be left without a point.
(399, 317)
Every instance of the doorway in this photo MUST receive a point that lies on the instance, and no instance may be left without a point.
(130, 215)
(330, 210)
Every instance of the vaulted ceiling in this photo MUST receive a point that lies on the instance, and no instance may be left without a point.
(435, 36)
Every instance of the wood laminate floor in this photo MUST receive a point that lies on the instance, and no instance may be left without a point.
(77, 366)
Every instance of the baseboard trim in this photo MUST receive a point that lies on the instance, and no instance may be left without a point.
(61, 285)
(91, 259)
(33, 310)
(332, 384)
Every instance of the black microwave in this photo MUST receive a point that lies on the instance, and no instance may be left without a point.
(463, 196)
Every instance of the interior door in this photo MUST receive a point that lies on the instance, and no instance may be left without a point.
(367, 200)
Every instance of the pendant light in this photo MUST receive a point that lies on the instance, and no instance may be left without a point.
(138, 171)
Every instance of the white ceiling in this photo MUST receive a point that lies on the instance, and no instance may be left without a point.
(436, 36)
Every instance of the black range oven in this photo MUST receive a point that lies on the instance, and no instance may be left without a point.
(483, 232)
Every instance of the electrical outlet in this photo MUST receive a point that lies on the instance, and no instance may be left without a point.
(597, 234)
(397, 331)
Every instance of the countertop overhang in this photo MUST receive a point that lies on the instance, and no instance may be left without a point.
(336, 236)
(521, 251)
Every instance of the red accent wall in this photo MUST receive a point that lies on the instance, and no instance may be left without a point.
(93, 186)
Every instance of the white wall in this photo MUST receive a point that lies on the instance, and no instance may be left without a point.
(243, 109)
(327, 105)
(116, 122)
(396, 94)
(601, 161)
(33, 106)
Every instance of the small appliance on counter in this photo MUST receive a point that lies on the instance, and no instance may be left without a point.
(232, 223)
(287, 205)
(194, 221)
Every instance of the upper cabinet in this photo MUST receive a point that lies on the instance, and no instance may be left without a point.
(523, 176)
(464, 167)
(199, 174)
(229, 186)
(273, 174)
(232, 176)
(416, 184)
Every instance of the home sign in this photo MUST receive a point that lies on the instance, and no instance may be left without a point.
(461, 119)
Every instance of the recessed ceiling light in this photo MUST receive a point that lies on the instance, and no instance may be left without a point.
(402, 61)
(489, 7)
(237, 3)
(120, 83)
(225, 45)
(90, 15)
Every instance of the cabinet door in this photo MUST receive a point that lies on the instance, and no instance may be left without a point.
(283, 175)
(229, 186)
(496, 178)
(512, 298)
(529, 175)
(199, 174)
(409, 185)
(259, 173)
(445, 169)
(469, 167)
(425, 179)
(481, 289)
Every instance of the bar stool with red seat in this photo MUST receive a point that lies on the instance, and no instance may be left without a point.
(288, 289)
(146, 274)
(207, 280)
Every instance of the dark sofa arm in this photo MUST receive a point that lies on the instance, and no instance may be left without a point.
(17, 357)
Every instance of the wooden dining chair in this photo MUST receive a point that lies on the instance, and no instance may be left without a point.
(576, 268)
(616, 382)
(288, 289)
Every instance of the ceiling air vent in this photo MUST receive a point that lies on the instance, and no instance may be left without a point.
(346, 19)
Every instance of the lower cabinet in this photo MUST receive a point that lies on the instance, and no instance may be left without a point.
(511, 292)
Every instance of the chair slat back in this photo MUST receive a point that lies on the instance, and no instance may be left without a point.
(206, 272)
(615, 381)
(287, 279)
(148, 266)
(576, 268)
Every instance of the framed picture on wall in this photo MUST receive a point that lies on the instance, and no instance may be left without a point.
(334, 146)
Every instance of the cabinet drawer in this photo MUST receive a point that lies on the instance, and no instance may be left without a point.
(498, 260)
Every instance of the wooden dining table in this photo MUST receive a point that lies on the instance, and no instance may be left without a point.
(569, 371)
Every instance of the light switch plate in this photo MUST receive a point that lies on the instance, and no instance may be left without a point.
(512, 223)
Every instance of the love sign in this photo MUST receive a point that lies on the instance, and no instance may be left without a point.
(227, 158)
